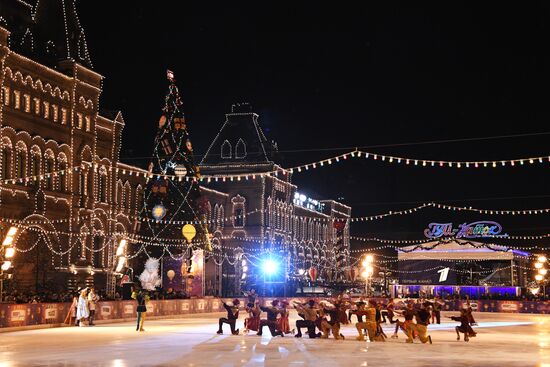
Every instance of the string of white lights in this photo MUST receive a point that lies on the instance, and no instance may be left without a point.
(304, 167)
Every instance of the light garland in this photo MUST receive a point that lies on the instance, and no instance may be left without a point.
(316, 219)
(329, 161)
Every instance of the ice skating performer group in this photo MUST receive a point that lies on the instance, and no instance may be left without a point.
(325, 318)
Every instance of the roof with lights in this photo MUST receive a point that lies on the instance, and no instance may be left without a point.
(47, 32)
(240, 140)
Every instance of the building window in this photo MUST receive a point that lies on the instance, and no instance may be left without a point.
(63, 116)
(27, 103)
(35, 165)
(6, 96)
(49, 169)
(82, 187)
(55, 113)
(238, 221)
(226, 150)
(62, 176)
(238, 211)
(88, 124)
(21, 164)
(36, 106)
(46, 110)
(16, 99)
(6, 159)
(102, 185)
(240, 149)
(79, 120)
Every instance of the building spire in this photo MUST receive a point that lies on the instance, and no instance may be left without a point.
(59, 33)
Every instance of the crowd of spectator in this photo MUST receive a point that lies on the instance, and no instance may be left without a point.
(49, 296)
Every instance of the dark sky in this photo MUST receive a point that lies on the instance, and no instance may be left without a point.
(326, 78)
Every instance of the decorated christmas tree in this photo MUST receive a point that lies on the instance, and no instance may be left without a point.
(172, 207)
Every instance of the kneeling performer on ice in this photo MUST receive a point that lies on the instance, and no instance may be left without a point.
(334, 323)
(464, 327)
(421, 327)
(232, 309)
(309, 314)
(252, 322)
(271, 321)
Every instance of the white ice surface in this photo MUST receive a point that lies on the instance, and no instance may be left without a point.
(503, 340)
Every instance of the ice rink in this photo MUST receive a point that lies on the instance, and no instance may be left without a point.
(502, 340)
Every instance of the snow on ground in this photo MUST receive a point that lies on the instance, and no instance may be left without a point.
(503, 340)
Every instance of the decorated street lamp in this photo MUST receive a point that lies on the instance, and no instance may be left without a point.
(367, 271)
(541, 272)
(7, 252)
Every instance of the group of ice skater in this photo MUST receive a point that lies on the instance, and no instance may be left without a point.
(83, 307)
(325, 318)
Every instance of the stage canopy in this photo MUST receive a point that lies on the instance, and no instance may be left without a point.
(458, 250)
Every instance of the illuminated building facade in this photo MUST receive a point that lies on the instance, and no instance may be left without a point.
(62, 182)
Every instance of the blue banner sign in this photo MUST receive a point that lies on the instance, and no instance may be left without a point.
(464, 230)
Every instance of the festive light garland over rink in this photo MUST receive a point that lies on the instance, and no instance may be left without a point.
(314, 219)
(304, 167)
(329, 161)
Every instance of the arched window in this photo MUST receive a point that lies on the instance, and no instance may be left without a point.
(221, 218)
(119, 193)
(139, 198)
(226, 150)
(239, 214)
(62, 159)
(127, 195)
(240, 149)
(82, 184)
(35, 164)
(6, 160)
(21, 161)
(49, 168)
(102, 185)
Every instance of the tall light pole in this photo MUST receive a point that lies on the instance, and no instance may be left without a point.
(367, 272)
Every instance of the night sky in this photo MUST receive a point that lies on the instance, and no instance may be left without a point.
(323, 79)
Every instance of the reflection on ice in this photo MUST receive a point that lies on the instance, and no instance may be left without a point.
(502, 340)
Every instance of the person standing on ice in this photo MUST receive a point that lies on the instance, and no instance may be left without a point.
(141, 308)
(92, 303)
(82, 312)
(436, 310)
(72, 312)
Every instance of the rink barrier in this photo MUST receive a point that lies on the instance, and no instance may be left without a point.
(54, 314)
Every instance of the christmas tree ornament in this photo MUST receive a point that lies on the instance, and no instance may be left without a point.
(189, 232)
(180, 170)
(158, 212)
(162, 121)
